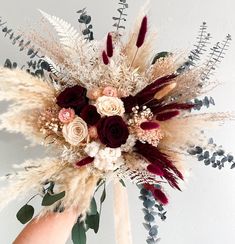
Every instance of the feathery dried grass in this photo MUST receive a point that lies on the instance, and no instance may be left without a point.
(79, 184)
(163, 66)
(28, 96)
(182, 131)
(143, 57)
(37, 173)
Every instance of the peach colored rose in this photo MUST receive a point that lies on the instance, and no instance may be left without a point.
(76, 131)
(110, 106)
(93, 94)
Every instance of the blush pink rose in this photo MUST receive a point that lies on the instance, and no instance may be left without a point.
(92, 131)
(66, 115)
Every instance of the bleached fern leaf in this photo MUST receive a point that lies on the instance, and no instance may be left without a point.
(67, 33)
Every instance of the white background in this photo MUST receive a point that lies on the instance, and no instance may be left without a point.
(205, 211)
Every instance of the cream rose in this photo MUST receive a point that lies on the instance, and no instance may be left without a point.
(110, 106)
(76, 131)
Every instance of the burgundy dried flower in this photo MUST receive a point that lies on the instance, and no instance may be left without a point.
(85, 161)
(154, 169)
(109, 45)
(172, 106)
(149, 125)
(154, 87)
(156, 157)
(112, 131)
(90, 115)
(142, 32)
(160, 196)
(167, 115)
(73, 97)
(105, 58)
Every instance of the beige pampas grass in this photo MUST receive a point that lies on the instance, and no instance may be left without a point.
(143, 58)
(34, 174)
(183, 131)
(79, 184)
(28, 96)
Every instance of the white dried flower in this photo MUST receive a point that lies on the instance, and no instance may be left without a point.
(92, 149)
(130, 143)
(110, 106)
(76, 131)
(108, 159)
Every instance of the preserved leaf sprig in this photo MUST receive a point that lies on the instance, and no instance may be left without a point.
(122, 15)
(18, 39)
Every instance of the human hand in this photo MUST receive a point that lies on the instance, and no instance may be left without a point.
(53, 228)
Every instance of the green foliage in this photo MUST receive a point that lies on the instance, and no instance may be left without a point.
(122, 15)
(79, 233)
(151, 210)
(93, 222)
(160, 55)
(93, 207)
(50, 199)
(25, 214)
(203, 40)
(103, 196)
(85, 19)
(10, 65)
(17, 39)
(205, 102)
(212, 155)
(122, 182)
(35, 68)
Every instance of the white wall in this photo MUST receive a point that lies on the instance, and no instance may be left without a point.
(204, 212)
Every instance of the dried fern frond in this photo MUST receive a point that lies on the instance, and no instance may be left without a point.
(68, 35)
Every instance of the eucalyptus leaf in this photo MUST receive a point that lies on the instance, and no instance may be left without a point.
(49, 199)
(233, 166)
(25, 214)
(103, 196)
(93, 222)
(151, 241)
(122, 182)
(147, 226)
(79, 234)
(153, 231)
(86, 31)
(93, 207)
(149, 218)
(160, 55)
(88, 20)
(148, 203)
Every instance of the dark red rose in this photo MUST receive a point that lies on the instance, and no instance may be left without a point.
(112, 131)
(73, 97)
(90, 115)
(129, 103)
